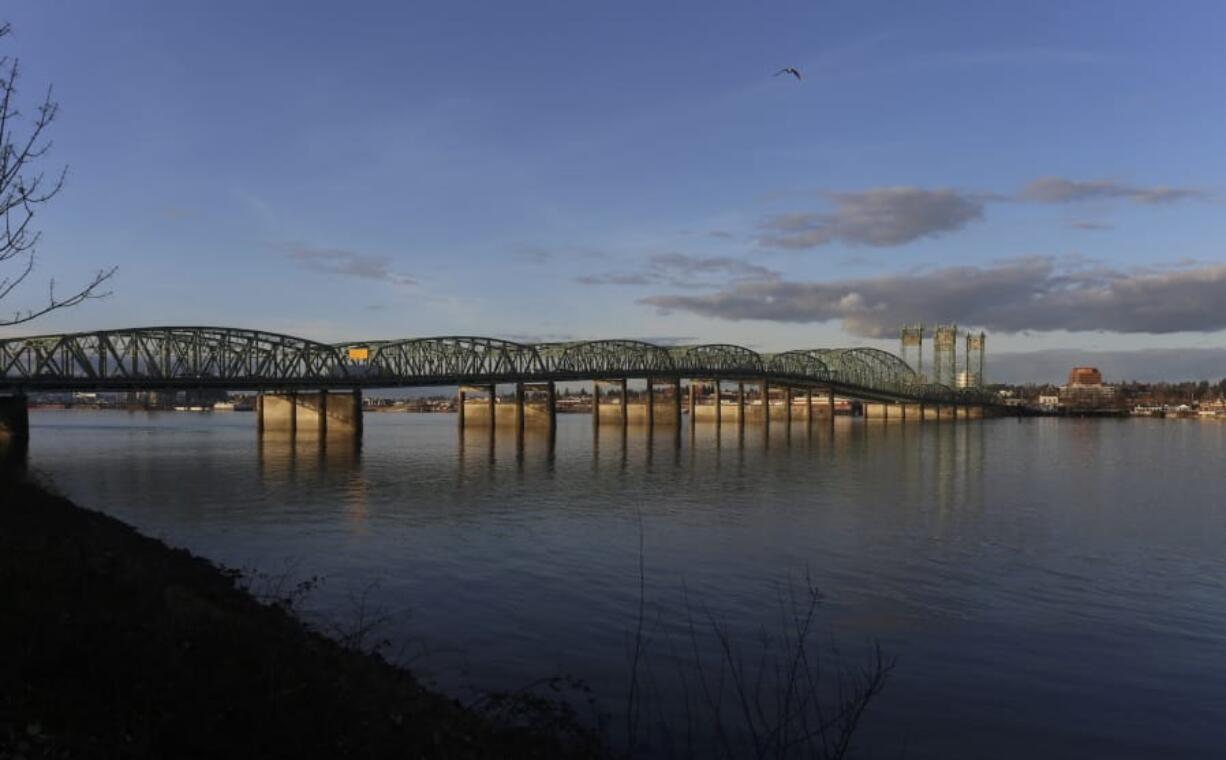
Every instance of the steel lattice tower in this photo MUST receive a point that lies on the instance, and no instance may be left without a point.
(975, 349)
(913, 348)
(945, 355)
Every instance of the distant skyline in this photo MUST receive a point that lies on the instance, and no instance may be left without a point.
(1049, 172)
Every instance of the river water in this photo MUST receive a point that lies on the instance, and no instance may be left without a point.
(1050, 588)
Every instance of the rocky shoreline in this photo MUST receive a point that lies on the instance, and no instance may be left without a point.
(113, 644)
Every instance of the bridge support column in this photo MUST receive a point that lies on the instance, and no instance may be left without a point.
(343, 412)
(787, 400)
(766, 405)
(322, 412)
(551, 406)
(493, 407)
(14, 419)
(740, 404)
(651, 403)
(625, 403)
(719, 405)
(595, 404)
(279, 412)
(677, 403)
(692, 405)
(460, 398)
(808, 407)
(830, 404)
(520, 409)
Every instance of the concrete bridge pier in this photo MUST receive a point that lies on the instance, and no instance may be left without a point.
(766, 407)
(14, 419)
(876, 411)
(520, 411)
(740, 405)
(677, 403)
(719, 405)
(320, 412)
(622, 384)
(651, 403)
(595, 404)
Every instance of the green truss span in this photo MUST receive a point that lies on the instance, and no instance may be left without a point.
(159, 358)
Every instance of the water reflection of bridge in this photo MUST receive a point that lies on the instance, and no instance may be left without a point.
(303, 384)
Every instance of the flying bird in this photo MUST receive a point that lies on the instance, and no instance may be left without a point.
(790, 70)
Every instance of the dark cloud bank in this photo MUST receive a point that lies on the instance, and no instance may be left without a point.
(1030, 294)
(892, 216)
(882, 217)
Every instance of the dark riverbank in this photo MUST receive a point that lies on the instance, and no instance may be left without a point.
(114, 645)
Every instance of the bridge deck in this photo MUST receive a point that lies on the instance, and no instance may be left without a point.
(184, 358)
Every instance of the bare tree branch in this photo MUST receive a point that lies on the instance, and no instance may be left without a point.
(24, 188)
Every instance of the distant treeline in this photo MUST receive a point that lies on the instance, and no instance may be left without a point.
(1159, 393)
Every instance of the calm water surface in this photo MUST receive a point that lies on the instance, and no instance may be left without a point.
(1052, 588)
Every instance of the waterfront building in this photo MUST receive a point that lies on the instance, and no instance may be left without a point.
(1086, 392)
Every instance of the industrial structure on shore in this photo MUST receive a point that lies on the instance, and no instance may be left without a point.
(944, 364)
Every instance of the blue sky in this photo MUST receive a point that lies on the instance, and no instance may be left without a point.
(1049, 171)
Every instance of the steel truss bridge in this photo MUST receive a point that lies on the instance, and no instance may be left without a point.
(192, 358)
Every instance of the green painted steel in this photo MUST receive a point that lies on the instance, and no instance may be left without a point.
(154, 358)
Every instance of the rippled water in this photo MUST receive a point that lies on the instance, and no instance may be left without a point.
(1052, 588)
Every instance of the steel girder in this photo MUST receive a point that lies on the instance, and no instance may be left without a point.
(190, 357)
(716, 360)
(446, 360)
(605, 358)
(154, 357)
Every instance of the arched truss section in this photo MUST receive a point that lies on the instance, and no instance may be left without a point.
(170, 355)
(605, 358)
(717, 360)
(444, 360)
(805, 364)
(889, 371)
(868, 368)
